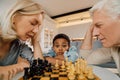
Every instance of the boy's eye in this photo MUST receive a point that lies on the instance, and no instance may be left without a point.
(56, 45)
(64, 45)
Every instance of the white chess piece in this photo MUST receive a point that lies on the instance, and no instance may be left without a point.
(56, 65)
(63, 65)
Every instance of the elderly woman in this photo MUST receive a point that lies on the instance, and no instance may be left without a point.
(19, 22)
(106, 26)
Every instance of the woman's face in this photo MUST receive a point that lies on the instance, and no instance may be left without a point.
(60, 46)
(26, 26)
(106, 28)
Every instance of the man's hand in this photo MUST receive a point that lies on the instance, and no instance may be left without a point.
(87, 43)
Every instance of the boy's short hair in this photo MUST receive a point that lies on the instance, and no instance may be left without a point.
(63, 36)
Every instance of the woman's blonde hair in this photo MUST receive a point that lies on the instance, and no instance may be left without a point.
(21, 6)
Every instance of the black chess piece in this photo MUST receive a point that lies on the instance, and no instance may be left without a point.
(34, 62)
(37, 68)
(49, 67)
(40, 61)
(26, 74)
(33, 68)
(46, 63)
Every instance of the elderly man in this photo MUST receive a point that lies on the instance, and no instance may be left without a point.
(106, 26)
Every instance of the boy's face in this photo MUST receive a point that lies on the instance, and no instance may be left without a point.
(60, 46)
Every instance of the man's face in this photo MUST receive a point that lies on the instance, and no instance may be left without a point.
(106, 28)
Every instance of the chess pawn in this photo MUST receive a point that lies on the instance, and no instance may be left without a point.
(66, 62)
(81, 76)
(71, 77)
(56, 65)
(68, 66)
(71, 74)
(26, 73)
(71, 69)
(63, 65)
(90, 74)
(86, 70)
(77, 67)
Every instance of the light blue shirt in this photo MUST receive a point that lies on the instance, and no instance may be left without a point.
(71, 54)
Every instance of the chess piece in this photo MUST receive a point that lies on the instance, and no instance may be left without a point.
(56, 65)
(46, 63)
(71, 74)
(49, 67)
(81, 77)
(34, 62)
(85, 66)
(90, 73)
(26, 74)
(69, 66)
(77, 67)
(40, 61)
(71, 77)
(66, 61)
(63, 65)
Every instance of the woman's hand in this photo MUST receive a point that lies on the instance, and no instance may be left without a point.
(36, 45)
(22, 63)
(7, 72)
(36, 37)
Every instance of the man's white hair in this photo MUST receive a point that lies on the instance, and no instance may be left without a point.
(112, 7)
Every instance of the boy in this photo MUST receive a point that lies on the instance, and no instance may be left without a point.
(61, 49)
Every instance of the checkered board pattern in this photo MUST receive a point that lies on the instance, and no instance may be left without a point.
(56, 75)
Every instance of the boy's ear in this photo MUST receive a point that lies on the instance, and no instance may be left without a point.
(69, 46)
(52, 48)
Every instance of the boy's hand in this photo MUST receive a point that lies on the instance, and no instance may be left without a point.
(60, 57)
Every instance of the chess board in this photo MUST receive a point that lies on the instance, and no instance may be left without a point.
(56, 74)
(42, 70)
